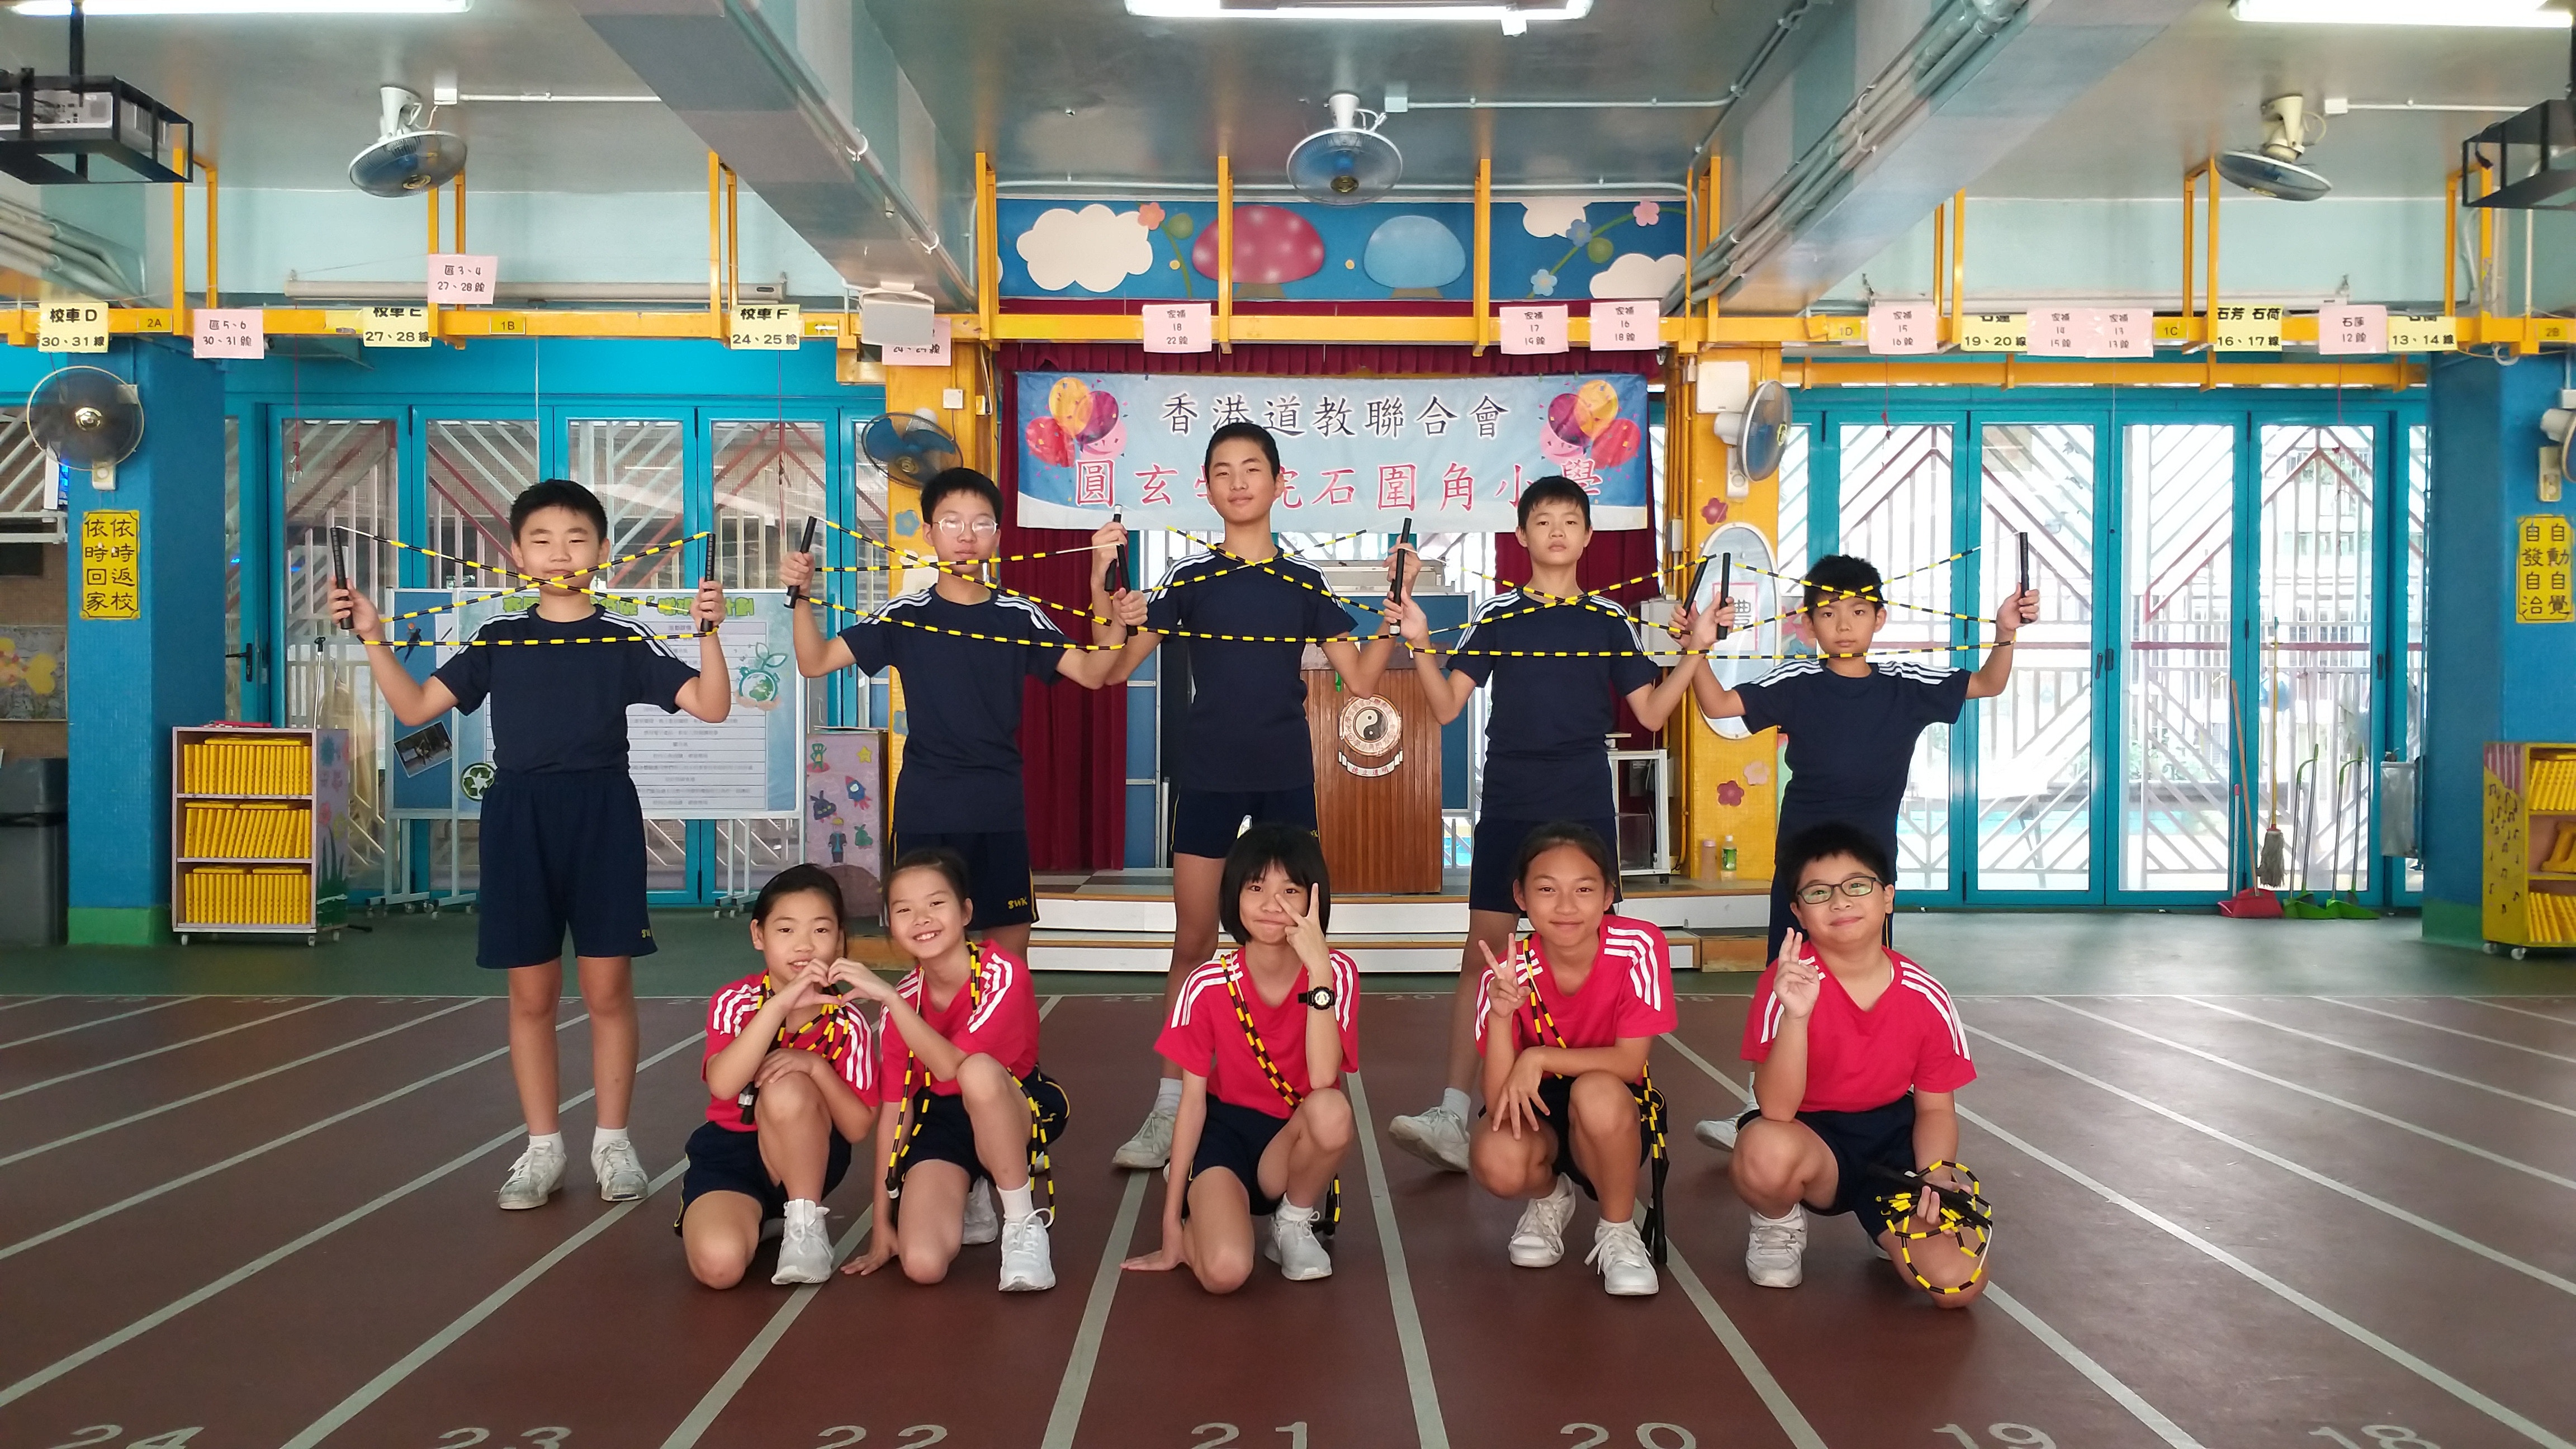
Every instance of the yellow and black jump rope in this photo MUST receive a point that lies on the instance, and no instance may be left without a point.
(1965, 1214)
(1043, 1124)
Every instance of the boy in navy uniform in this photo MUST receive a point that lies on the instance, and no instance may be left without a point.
(1544, 759)
(961, 650)
(1851, 722)
(562, 831)
(1243, 751)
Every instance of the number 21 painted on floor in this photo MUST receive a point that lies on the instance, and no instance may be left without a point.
(1228, 1433)
(2381, 1436)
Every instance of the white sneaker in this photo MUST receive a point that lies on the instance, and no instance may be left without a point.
(1293, 1246)
(1437, 1137)
(533, 1178)
(1775, 1249)
(1627, 1269)
(621, 1177)
(1717, 1132)
(1151, 1146)
(1539, 1241)
(1027, 1264)
(983, 1220)
(805, 1250)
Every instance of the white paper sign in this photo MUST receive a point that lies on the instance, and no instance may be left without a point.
(767, 327)
(935, 354)
(1530, 331)
(1630, 326)
(1898, 328)
(240, 332)
(2423, 334)
(1994, 332)
(2063, 331)
(2247, 329)
(2351, 331)
(393, 326)
(458, 280)
(72, 324)
(1180, 327)
(2124, 332)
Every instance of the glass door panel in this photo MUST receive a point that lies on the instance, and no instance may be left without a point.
(339, 474)
(2035, 774)
(2313, 733)
(636, 468)
(476, 468)
(2419, 513)
(2177, 732)
(1896, 512)
(769, 478)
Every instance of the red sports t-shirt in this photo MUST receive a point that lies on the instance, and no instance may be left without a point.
(838, 1034)
(998, 1016)
(1628, 994)
(1856, 1060)
(1205, 1036)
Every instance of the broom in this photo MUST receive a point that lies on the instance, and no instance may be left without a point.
(2247, 903)
(2272, 869)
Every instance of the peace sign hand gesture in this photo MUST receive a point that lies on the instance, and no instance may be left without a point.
(1796, 982)
(1306, 937)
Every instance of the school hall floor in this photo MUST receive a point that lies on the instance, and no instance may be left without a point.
(2258, 1183)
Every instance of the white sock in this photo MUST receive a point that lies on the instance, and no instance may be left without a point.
(804, 1210)
(1456, 1104)
(1758, 1215)
(1015, 1202)
(601, 1136)
(1606, 1224)
(1167, 1097)
(549, 1141)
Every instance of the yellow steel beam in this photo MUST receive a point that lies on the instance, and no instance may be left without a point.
(2033, 372)
(179, 241)
(1224, 258)
(214, 247)
(715, 240)
(1479, 333)
(988, 248)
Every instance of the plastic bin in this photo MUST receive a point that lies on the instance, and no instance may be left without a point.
(34, 851)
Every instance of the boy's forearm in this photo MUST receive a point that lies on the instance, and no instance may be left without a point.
(403, 694)
(1666, 694)
(1715, 700)
(1373, 655)
(1132, 658)
(1994, 674)
(810, 643)
(1936, 1136)
(714, 684)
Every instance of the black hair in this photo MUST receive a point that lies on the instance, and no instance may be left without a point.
(1564, 832)
(796, 880)
(932, 857)
(958, 480)
(1291, 849)
(557, 493)
(1247, 432)
(1842, 576)
(1555, 488)
(1834, 837)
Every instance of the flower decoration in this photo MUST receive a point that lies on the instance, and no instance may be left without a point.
(1648, 213)
(1543, 283)
(1150, 215)
(1580, 233)
(1756, 773)
(1593, 243)
(1730, 794)
(1713, 511)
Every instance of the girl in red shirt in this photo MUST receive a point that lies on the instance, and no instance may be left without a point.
(966, 1112)
(1262, 1036)
(1859, 1053)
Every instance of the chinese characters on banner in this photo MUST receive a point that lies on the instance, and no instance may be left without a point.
(1355, 453)
(111, 564)
(2540, 570)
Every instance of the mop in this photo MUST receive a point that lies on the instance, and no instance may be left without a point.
(2303, 797)
(2248, 903)
(2347, 906)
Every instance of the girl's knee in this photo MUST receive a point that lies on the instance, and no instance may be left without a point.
(1602, 1104)
(790, 1098)
(718, 1265)
(980, 1077)
(925, 1267)
(1223, 1272)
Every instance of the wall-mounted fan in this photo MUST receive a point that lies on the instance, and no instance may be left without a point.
(1346, 164)
(908, 448)
(2559, 424)
(2273, 168)
(1751, 419)
(87, 417)
(407, 156)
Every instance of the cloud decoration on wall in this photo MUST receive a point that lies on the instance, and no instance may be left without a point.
(1637, 275)
(1094, 248)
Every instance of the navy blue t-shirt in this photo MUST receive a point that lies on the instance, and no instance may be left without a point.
(961, 700)
(1545, 756)
(1851, 740)
(559, 696)
(1246, 725)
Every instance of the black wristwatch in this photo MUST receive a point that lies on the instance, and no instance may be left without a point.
(1320, 998)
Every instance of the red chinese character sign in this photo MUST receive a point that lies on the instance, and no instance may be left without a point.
(1355, 453)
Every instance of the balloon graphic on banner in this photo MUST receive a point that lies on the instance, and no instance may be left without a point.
(1048, 441)
(1595, 404)
(1103, 411)
(1617, 443)
(1565, 421)
(1069, 403)
(1104, 442)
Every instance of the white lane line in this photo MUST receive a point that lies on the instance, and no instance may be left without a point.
(163, 1050)
(2057, 1343)
(730, 1382)
(282, 1252)
(215, 1091)
(247, 1153)
(101, 1021)
(2451, 1030)
(1429, 1428)
(437, 1343)
(1739, 1348)
(2304, 1090)
(1075, 1386)
(2379, 1056)
(2415, 1220)
(2517, 1422)
(2518, 1010)
(28, 1001)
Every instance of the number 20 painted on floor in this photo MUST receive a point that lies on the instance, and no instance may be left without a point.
(1650, 1436)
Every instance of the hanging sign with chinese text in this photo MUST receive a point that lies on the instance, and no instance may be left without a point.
(2541, 592)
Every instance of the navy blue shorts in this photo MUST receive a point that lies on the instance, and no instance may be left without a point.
(724, 1160)
(1234, 1138)
(1867, 1146)
(997, 871)
(1557, 1095)
(1498, 848)
(1205, 822)
(561, 852)
(948, 1135)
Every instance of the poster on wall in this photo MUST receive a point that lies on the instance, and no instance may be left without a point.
(31, 672)
(1355, 453)
(845, 814)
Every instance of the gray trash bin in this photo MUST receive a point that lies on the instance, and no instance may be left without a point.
(34, 854)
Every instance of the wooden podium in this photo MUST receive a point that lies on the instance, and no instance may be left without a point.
(1377, 782)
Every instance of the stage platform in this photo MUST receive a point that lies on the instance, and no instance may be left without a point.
(1121, 920)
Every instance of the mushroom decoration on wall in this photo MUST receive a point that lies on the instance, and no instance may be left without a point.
(1414, 256)
(1273, 246)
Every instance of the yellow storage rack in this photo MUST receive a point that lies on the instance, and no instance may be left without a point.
(2530, 895)
(254, 831)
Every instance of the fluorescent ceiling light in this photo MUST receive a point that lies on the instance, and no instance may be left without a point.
(41, 9)
(2517, 14)
(1416, 11)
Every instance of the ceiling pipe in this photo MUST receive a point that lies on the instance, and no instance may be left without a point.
(1433, 188)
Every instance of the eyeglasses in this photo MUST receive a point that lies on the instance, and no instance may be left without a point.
(1858, 887)
(966, 527)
